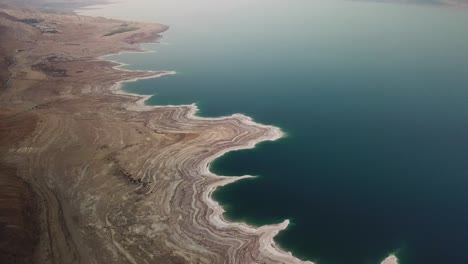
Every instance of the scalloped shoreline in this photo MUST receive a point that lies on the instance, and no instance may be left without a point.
(266, 233)
(99, 152)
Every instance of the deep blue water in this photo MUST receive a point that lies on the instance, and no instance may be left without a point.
(373, 98)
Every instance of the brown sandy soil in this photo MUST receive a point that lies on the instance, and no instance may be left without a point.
(107, 179)
(19, 229)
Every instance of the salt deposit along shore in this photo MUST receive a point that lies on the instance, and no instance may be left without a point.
(113, 180)
(97, 175)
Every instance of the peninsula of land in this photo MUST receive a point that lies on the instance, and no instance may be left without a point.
(89, 174)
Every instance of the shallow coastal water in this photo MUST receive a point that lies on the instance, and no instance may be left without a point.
(373, 98)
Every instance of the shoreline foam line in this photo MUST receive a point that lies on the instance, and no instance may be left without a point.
(266, 233)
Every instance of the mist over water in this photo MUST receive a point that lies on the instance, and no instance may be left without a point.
(373, 98)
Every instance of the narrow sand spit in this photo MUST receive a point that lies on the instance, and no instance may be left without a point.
(118, 181)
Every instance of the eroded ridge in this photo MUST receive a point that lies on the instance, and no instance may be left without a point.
(119, 182)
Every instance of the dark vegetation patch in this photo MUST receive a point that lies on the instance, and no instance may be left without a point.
(50, 70)
(47, 66)
(30, 21)
(120, 30)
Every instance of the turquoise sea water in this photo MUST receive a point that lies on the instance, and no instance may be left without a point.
(374, 100)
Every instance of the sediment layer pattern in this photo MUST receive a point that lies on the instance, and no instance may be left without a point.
(119, 182)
